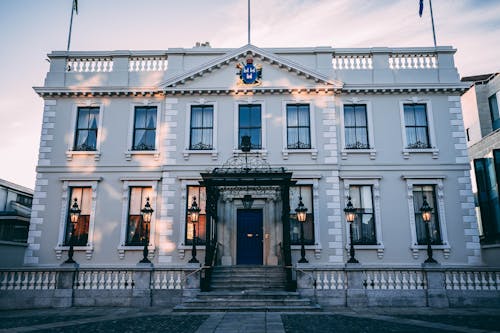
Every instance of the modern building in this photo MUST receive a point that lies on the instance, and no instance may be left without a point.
(15, 211)
(482, 124)
(133, 141)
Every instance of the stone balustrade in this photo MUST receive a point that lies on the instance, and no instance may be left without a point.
(28, 280)
(394, 279)
(472, 280)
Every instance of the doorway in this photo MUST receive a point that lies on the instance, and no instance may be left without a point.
(249, 245)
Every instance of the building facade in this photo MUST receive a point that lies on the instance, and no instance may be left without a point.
(482, 124)
(15, 211)
(127, 131)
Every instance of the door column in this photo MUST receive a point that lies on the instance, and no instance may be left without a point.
(227, 259)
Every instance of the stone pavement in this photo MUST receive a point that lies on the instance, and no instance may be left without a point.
(366, 320)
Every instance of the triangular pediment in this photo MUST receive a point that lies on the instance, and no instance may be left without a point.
(277, 73)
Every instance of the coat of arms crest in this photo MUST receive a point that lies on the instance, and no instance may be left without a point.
(249, 74)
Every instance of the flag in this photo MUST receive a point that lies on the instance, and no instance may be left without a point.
(420, 8)
(75, 6)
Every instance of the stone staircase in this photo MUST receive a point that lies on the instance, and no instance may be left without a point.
(247, 288)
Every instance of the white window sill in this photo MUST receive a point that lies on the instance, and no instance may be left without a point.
(314, 152)
(89, 250)
(213, 152)
(408, 151)
(346, 152)
(130, 153)
(377, 247)
(71, 153)
(139, 248)
(262, 152)
(415, 249)
(316, 248)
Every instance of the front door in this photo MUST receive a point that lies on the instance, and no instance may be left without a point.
(249, 237)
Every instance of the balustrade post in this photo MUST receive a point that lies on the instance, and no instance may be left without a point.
(436, 289)
(381, 70)
(141, 287)
(356, 292)
(446, 66)
(63, 295)
(119, 75)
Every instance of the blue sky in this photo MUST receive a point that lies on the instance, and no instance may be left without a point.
(29, 29)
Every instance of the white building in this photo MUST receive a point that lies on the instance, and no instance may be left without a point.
(381, 125)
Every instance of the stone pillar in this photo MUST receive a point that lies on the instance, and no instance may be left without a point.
(63, 295)
(141, 293)
(436, 292)
(227, 259)
(271, 236)
(356, 293)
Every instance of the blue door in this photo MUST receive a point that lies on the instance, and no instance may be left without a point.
(249, 237)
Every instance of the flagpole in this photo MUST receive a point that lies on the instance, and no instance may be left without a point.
(432, 20)
(248, 21)
(70, 24)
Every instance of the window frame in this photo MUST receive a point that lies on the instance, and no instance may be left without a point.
(70, 151)
(374, 182)
(127, 184)
(432, 149)
(310, 214)
(355, 127)
(371, 151)
(313, 151)
(146, 129)
(130, 152)
(181, 246)
(186, 241)
(187, 137)
(236, 144)
(67, 184)
(495, 119)
(437, 181)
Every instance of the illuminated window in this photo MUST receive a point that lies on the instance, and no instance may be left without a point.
(137, 231)
(201, 198)
(306, 192)
(79, 236)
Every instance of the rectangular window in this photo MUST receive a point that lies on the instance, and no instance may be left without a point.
(495, 114)
(201, 199)
(417, 131)
(202, 127)
(298, 127)
(363, 228)
(86, 129)
(356, 127)
(78, 234)
(427, 191)
(488, 196)
(250, 124)
(24, 200)
(144, 128)
(306, 192)
(137, 231)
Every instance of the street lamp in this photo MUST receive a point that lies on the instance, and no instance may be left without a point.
(301, 217)
(194, 215)
(426, 212)
(147, 213)
(74, 214)
(350, 216)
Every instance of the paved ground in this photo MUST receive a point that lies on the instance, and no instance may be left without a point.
(366, 320)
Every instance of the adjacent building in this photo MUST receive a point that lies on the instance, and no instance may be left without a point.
(131, 140)
(482, 125)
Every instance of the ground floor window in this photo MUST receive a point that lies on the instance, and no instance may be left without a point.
(419, 193)
(304, 191)
(78, 233)
(201, 198)
(363, 228)
(137, 230)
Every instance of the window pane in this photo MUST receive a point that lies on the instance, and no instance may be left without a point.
(420, 115)
(350, 137)
(244, 116)
(150, 139)
(360, 116)
(304, 138)
(140, 118)
(140, 138)
(196, 117)
(349, 119)
(304, 116)
(255, 119)
(409, 115)
(293, 137)
(79, 235)
(306, 192)
(364, 223)
(207, 117)
(291, 117)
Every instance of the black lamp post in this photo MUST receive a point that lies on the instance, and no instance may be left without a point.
(147, 213)
(426, 212)
(350, 216)
(74, 214)
(301, 217)
(194, 215)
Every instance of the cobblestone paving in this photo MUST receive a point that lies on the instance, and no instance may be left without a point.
(485, 322)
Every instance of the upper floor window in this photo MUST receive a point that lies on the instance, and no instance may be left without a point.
(78, 233)
(86, 129)
(144, 128)
(137, 230)
(416, 126)
(304, 191)
(202, 127)
(427, 191)
(201, 198)
(356, 126)
(363, 232)
(24, 200)
(495, 114)
(298, 126)
(250, 124)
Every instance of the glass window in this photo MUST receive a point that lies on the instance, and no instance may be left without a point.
(201, 199)
(86, 129)
(487, 170)
(201, 127)
(495, 114)
(298, 128)
(417, 132)
(79, 236)
(306, 192)
(144, 128)
(137, 231)
(250, 124)
(356, 127)
(363, 227)
(427, 191)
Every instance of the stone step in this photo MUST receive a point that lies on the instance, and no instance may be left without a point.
(229, 302)
(308, 308)
(244, 294)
